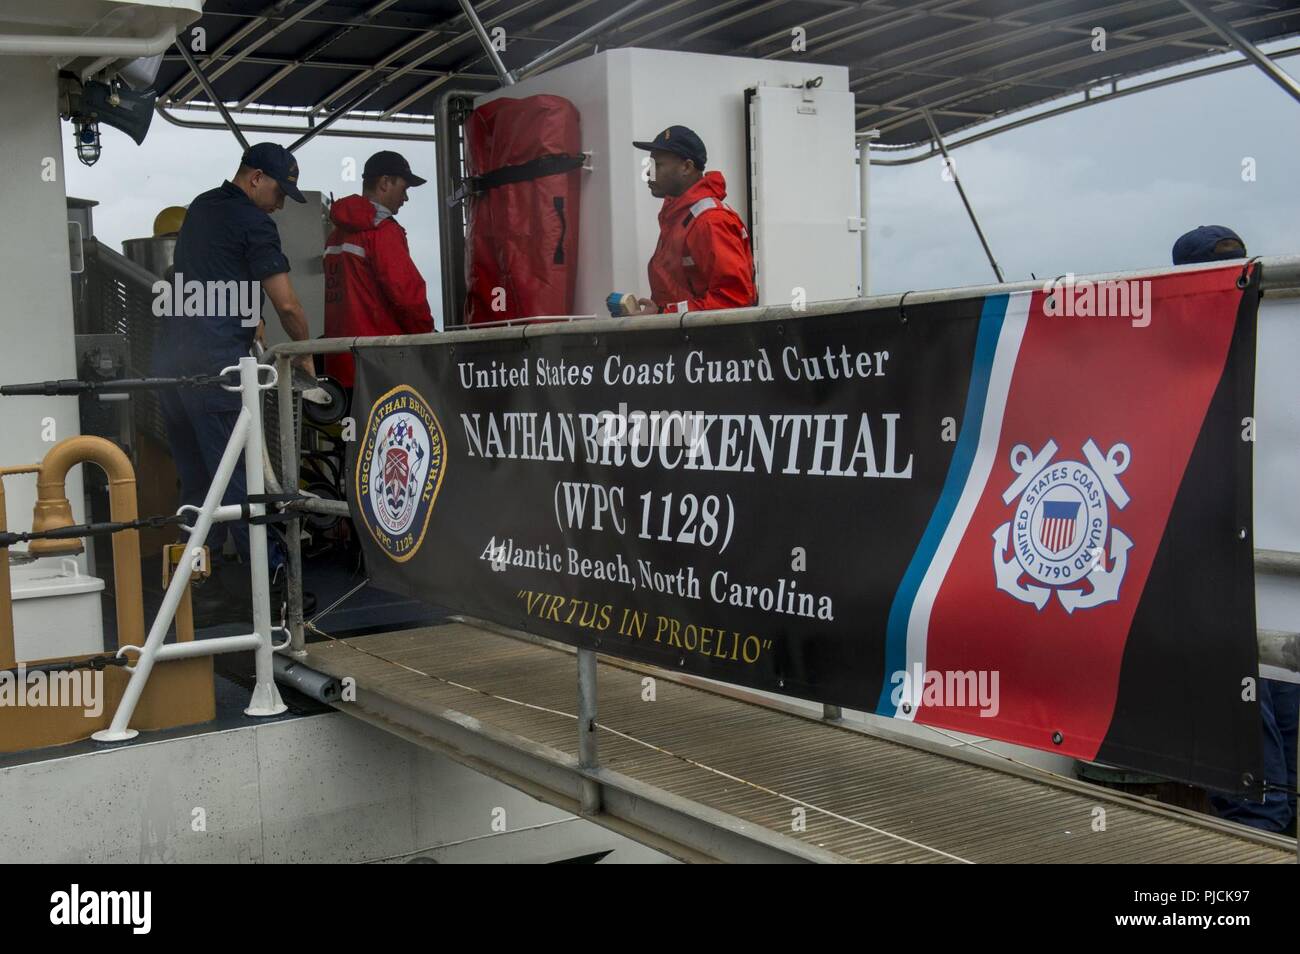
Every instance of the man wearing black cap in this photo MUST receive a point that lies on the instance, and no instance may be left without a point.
(228, 250)
(703, 260)
(371, 285)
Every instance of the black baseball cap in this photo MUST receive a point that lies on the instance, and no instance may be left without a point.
(389, 163)
(278, 163)
(680, 141)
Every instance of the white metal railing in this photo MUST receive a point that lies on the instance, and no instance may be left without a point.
(246, 439)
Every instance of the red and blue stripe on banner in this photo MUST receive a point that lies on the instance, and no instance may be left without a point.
(1098, 412)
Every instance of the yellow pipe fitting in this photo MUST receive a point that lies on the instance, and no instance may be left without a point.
(8, 655)
(53, 515)
(53, 510)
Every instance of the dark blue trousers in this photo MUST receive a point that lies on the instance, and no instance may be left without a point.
(1279, 707)
(198, 436)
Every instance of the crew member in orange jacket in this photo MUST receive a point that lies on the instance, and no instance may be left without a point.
(371, 285)
(703, 260)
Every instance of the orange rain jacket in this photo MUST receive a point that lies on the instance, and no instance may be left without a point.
(371, 285)
(703, 260)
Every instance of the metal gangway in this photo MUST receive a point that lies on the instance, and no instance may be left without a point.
(708, 772)
(705, 771)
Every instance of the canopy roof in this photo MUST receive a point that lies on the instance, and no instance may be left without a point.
(966, 61)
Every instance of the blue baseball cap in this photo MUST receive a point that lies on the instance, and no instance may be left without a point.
(1198, 245)
(680, 141)
(278, 163)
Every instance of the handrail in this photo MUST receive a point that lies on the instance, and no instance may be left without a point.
(1279, 649)
(1278, 562)
(1279, 272)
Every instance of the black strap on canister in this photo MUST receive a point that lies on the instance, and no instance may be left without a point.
(538, 168)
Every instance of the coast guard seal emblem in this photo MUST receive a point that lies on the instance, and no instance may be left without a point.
(1060, 537)
(399, 472)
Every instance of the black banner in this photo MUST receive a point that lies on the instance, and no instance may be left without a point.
(949, 514)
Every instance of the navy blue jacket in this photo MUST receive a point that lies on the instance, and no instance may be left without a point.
(224, 238)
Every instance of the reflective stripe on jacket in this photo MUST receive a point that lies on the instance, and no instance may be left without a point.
(703, 260)
(371, 285)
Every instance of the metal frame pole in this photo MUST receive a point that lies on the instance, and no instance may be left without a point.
(246, 438)
(289, 484)
(938, 141)
(578, 39)
(266, 699)
(212, 95)
(1246, 49)
(258, 127)
(118, 730)
(507, 79)
(451, 236)
(588, 757)
(336, 115)
(864, 200)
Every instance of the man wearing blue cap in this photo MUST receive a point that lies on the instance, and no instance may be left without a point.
(703, 260)
(227, 254)
(1208, 243)
(1279, 702)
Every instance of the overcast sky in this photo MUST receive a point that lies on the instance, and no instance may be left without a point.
(1104, 188)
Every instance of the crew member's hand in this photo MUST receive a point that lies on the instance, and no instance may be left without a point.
(305, 364)
(646, 307)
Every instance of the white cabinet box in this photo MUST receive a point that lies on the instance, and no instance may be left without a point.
(56, 610)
